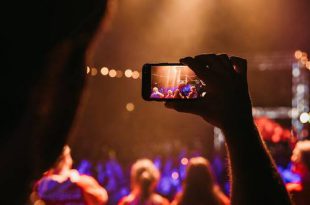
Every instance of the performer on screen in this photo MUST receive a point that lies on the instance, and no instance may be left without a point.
(193, 93)
(156, 93)
(169, 94)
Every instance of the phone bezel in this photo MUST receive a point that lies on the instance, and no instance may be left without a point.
(146, 82)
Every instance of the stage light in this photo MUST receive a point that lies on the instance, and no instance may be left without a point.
(135, 75)
(300, 88)
(304, 60)
(130, 107)
(296, 72)
(184, 161)
(104, 71)
(119, 74)
(298, 54)
(112, 73)
(93, 71)
(308, 65)
(87, 69)
(304, 117)
(128, 73)
(175, 175)
(39, 202)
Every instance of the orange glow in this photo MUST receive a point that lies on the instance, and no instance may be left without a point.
(308, 65)
(304, 60)
(130, 107)
(135, 75)
(298, 54)
(93, 71)
(119, 74)
(87, 69)
(112, 73)
(184, 161)
(128, 73)
(39, 202)
(104, 71)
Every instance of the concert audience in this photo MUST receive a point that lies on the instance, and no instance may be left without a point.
(144, 178)
(199, 186)
(63, 185)
(301, 164)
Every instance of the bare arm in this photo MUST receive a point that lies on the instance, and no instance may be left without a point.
(227, 105)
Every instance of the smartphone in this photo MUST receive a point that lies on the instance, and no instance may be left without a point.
(171, 81)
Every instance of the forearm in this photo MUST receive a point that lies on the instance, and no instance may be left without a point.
(255, 179)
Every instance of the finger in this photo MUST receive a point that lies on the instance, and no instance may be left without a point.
(240, 65)
(199, 70)
(227, 65)
(212, 61)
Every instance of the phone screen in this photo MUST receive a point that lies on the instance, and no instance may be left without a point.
(174, 82)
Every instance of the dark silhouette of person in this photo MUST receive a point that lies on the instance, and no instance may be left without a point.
(301, 165)
(63, 185)
(144, 178)
(44, 45)
(199, 186)
(227, 105)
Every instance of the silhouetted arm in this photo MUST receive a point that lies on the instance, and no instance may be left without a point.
(227, 105)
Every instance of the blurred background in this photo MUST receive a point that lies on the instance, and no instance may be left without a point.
(116, 124)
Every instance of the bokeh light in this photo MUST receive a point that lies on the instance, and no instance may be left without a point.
(298, 54)
(130, 107)
(119, 74)
(104, 71)
(304, 117)
(87, 69)
(128, 73)
(93, 71)
(175, 175)
(135, 74)
(184, 161)
(112, 73)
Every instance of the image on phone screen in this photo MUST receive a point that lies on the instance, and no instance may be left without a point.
(175, 82)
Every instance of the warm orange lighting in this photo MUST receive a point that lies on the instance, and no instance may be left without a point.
(112, 73)
(128, 73)
(304, 60)
(175, 175)
(184, 161)
(135, 75)
(39, 202)
(298, 54)
(93, 71)
(104, 71)
(119, 74)
(308, 65)
(87, 69)
(130, 107)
